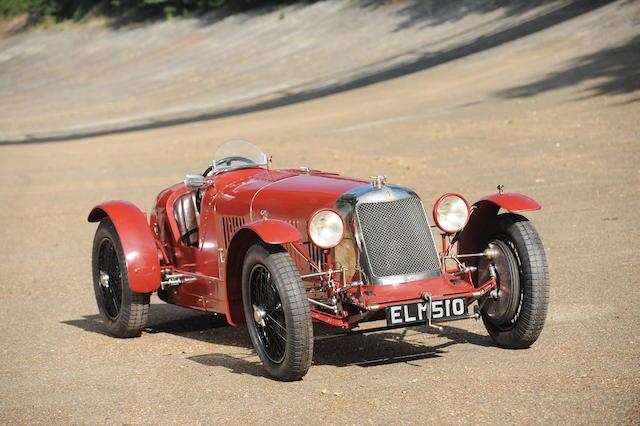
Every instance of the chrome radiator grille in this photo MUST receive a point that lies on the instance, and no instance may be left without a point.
(397, 237)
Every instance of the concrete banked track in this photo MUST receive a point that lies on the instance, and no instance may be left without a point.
(79, 81)
(440, 96)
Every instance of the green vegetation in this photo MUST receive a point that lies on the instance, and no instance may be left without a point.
(60, 10)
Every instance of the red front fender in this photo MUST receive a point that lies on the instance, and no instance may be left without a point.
(270, 231)
(512, 202)
(274, 231)
(482, 214)
(138, 243)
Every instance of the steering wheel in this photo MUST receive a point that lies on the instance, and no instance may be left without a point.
(229, 160)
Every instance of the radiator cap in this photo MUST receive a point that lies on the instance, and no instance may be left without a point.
(378, 181)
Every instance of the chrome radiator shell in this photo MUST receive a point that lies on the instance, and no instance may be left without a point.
(391, 234)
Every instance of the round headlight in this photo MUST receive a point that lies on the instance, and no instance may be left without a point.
(451, 212)
(326, 228)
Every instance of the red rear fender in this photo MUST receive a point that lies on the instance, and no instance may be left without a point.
(138, 243)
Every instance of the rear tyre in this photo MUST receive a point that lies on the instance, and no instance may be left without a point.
(516, 318)
(277, 312)
(123, 311)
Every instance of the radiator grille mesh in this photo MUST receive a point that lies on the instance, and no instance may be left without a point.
(397, 237)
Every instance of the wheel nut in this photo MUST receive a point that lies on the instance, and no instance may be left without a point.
(490, 253)
(495, 294)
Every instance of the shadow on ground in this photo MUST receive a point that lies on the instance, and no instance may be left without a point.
(375, 349)
(425, 13)
(611, 72)
(425, 60)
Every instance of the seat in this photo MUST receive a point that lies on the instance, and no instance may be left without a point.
(187, 215)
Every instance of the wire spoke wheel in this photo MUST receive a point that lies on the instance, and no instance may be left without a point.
(277, 311)
(268, 315)
(123, 311)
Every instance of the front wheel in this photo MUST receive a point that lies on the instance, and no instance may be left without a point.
(515, 314)
(277, 312)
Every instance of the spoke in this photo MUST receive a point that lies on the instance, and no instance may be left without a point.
(114, 302)
(108, 301)
(280, 328)
(277, 341)
(274, 347)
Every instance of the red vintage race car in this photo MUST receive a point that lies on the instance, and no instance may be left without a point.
(279, 249)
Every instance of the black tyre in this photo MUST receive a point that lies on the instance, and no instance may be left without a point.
(516, 317)
(277, 312)
(124, 312)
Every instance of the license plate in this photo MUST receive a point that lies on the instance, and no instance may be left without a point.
(414, 313)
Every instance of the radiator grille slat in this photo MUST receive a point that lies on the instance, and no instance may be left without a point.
(397, 237)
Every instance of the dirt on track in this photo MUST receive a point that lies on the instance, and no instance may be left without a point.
(552, 114)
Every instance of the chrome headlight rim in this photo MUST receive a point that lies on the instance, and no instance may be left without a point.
(441, 222)
(315, 238)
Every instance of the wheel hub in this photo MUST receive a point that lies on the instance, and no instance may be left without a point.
(258, 315)
(104, 279)
(502, 305)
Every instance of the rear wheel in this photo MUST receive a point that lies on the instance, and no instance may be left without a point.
(123, 311)
(515, 316)
(277, 312)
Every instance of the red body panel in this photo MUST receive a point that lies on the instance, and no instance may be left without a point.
(297, 197)
(137, 240)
